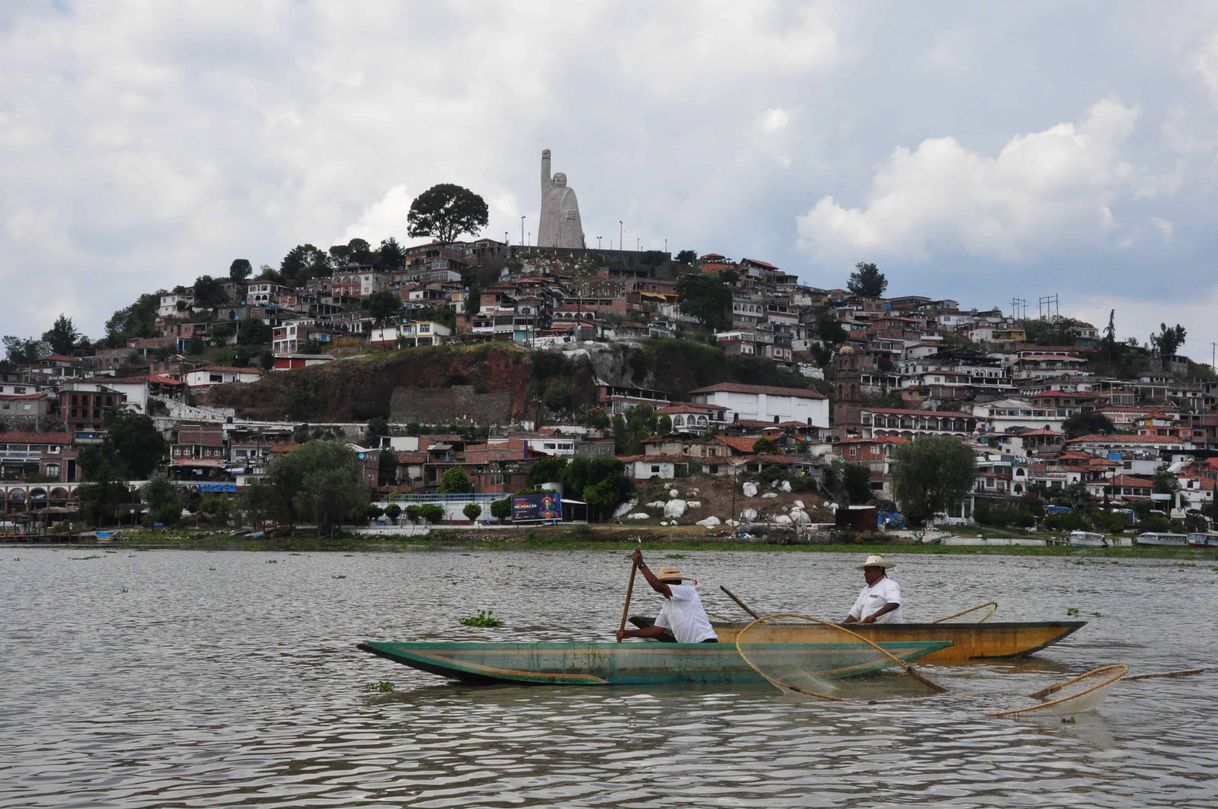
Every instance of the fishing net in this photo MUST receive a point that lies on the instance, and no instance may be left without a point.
(1076, 695)
(989, 607)
(805, 656)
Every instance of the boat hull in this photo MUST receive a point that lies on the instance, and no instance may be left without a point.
(968, 641)
(622, 663)
(1161, 540)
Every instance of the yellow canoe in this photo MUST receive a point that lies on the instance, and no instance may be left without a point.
(969, 641)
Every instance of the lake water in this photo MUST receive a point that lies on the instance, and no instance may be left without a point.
(180, 679)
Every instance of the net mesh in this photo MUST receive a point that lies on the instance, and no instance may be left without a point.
(806, 656)
(1076, 695)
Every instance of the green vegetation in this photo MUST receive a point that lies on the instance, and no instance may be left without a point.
(931, 474)
(707, 297)
(484, 618)
(599, 481)
(319, 482)
(446, 211)
(455, 481)
(380, 686)
(867, 281)
(472, 511)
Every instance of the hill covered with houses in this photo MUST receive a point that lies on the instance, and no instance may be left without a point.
(491, 358)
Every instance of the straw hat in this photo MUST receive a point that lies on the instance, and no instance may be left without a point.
(669, 573)
(875, 560)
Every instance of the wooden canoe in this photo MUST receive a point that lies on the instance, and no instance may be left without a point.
(968, 641)
(633, 663)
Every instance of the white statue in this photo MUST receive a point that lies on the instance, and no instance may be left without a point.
(560, 225)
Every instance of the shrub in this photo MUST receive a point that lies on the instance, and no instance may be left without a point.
(413, 512)
(431, 512)
(393, 511)
(472, 511)
(501, 509)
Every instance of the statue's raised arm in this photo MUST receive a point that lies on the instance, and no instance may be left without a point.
(545, 170)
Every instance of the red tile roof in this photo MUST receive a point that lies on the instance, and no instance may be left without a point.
(901, 411)
(1131, 482)
(767, 390)
(739, 443)
(35, 438)
(229, 370)
(1123, 438)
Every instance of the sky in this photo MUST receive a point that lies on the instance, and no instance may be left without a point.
(973, 150)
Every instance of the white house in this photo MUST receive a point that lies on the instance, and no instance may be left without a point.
(766, 403)
(209, 375)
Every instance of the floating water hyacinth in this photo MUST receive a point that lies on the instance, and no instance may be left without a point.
(484, 618)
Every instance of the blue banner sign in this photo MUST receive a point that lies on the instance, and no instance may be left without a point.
(544, 507)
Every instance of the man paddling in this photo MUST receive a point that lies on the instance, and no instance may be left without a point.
(879, 602)
(682, 613)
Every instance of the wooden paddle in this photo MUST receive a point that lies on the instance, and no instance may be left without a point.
(629, 590)
(739, 603)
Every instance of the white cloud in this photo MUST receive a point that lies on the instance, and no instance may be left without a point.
(1040, 191)
(775, 119)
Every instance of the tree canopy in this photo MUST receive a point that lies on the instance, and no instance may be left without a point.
(20, 350)
(1169, 340)
(132, 448)
(455, 481)
(384, 305)
(318, 482)
(1088, 423)
(209, 292)
(931, 474)
(686, 257)
(62, 337)
(302, 262)
(706, 297)
(446, 211)
(136, 320)
(867, 280)
(240, 269)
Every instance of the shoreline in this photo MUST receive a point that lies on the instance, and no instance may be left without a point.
(609, 538)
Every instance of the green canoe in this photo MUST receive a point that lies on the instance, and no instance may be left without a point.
(637, 663)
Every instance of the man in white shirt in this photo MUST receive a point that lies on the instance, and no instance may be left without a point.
(880, 601)
(682, 613)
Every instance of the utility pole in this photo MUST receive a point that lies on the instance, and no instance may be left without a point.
(522, 230)
(621, 245)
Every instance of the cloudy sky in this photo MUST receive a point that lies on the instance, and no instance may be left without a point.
(982, 151)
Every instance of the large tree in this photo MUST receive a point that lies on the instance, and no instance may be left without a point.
(240, 270)
(931, 474)
(209, 292)
(133, 445)
(20, 350)
(867, 280)
(1168, 341)
(302, 262)
(446, 211)
(390, 255)
(136, 320)
(706, 297)
(62, 337)
(384, 305)
(1087, 422)
(318, 482)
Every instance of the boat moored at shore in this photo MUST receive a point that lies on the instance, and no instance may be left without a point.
(1154, 539)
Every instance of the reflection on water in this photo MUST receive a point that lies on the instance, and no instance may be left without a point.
(170, 679)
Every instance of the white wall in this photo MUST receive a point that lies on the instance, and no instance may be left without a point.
(764, 407)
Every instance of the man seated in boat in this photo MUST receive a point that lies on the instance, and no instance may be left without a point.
(879, 602)
(682, 613)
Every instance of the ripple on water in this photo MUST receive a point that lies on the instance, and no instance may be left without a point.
(240, 686)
